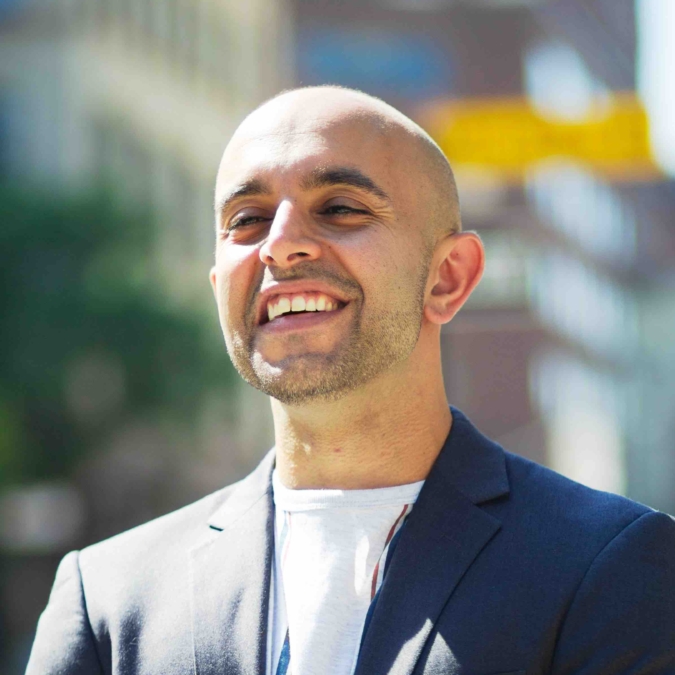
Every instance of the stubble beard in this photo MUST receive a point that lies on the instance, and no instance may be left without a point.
(372, 347)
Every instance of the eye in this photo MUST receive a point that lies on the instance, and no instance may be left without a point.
(245, 225)
(244, 219)
(343, 210)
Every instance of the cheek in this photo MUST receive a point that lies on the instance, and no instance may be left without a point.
(386, 267)
(392, 284)
(235, 273)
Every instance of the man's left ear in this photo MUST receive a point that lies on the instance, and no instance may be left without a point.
(457, 267)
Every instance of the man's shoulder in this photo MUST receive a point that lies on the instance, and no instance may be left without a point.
(552, 507)
(186, 527)
(547, 486)
(527, 495)
(148, 545)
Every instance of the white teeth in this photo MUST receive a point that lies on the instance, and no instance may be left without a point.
(283, 306)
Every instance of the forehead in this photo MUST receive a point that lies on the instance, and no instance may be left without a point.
(285, 154)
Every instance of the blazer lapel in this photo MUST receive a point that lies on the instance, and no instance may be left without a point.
(444, 534)
(230, 580)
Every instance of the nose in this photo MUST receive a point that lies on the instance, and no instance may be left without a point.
(289, 239)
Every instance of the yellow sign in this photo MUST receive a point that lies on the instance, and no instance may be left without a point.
(509, 136)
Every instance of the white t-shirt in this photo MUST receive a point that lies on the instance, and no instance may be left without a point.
(329, 563)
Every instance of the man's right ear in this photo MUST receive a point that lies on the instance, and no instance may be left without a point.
(212, 279)
(457, 267)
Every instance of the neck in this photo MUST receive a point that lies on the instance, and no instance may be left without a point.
(386, 433)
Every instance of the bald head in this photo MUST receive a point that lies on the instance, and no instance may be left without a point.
(408, 150)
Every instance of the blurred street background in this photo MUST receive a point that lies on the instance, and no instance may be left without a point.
(117, 400)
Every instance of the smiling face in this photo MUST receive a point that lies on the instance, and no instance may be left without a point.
(323, 251)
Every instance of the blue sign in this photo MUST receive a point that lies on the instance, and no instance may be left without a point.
(378, 61)
(9, 6)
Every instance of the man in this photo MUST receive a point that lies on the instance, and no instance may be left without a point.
(383, 534)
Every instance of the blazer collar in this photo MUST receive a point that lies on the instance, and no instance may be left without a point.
(245, 495)
(471, 462)
(445, 533)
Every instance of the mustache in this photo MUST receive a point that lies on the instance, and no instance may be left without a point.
(314, 272)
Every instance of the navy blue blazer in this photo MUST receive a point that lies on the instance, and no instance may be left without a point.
(503, 567)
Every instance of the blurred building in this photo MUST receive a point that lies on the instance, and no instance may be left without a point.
(562, 353)
(140, 96)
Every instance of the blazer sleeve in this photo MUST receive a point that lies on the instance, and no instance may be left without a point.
(622, 618)
(64, 642)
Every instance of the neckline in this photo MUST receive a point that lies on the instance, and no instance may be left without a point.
(290, 499)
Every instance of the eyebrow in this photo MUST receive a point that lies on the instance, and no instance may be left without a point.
(247, 189)
(320, 177)
(343, 175)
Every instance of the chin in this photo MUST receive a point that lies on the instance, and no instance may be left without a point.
(301, 380)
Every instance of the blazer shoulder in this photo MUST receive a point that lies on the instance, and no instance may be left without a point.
(175, 531)
(566, 509)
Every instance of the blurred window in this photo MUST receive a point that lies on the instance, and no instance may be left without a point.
(583, 411)
(558, 82)
(40, 518)
(195, 36)
(655, 64)
(585, 306)
(504, 282)
(589, 211)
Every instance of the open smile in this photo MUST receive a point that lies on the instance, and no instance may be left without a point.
(298, 310)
